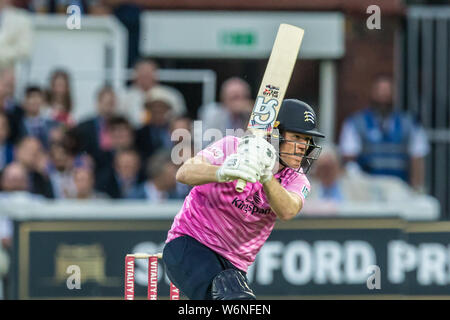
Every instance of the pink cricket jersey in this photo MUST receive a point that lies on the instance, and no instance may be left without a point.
(233, 224)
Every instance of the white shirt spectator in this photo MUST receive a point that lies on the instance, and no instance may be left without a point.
(15, 36)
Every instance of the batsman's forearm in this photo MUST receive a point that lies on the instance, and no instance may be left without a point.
(195, 174)
(283, 203)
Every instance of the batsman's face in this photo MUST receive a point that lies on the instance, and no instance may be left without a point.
(294, 148)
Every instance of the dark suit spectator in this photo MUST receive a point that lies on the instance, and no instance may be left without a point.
(156, 134)
(59, 170)
(6, 148)
(122, 138)
(32, 122)
(121, 132)
(30, 154)
(161, 183)
(122, 177)
(384, 140)
(95, 138)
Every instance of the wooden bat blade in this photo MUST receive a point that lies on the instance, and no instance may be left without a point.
(276, 78)
(274, 83)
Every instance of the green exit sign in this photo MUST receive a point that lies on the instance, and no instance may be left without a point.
(238, 38)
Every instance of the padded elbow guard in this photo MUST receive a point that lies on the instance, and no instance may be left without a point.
(230, 284)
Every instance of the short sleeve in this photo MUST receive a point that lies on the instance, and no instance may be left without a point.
(299, 185)
(217, 152)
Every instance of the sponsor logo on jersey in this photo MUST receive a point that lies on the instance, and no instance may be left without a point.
(249, 205)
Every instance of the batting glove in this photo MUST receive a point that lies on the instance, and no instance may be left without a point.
(256, 147)
(236, 167)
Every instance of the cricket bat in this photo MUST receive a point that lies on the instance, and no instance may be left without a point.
(274, 83)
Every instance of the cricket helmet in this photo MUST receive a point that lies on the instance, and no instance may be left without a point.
(297, 116)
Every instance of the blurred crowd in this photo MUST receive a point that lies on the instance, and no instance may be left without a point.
(123, 152)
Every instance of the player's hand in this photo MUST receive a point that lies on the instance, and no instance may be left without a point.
(260, 149)
(238, 166)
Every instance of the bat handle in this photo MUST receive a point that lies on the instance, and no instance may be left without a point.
(240, 186)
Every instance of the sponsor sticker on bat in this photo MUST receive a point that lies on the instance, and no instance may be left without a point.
(264, 113)
(271, 91)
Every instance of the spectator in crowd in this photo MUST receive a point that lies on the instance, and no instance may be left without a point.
(84, 180)
(59, 169)
(333, 183)
(30, 154)
(183, 147)
(121, 132)
(94, 136)
(72, 143)
(181, 130)
(14, 178)
(7, 88)
(15, 34)
(161, 183)
(134, 99)
(123, 177)
(122, 137)
(60, 98)
(32, 122)
(8, 105)
(156, 134)
(182, 140)
(384, 140)
(6, 147)
(57, 134)
(234, 108)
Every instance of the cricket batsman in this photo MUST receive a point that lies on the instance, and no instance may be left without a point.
(218, 232)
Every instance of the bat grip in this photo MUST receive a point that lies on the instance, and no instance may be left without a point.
(240, 186)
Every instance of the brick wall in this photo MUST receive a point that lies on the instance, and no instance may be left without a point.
(368, 53)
